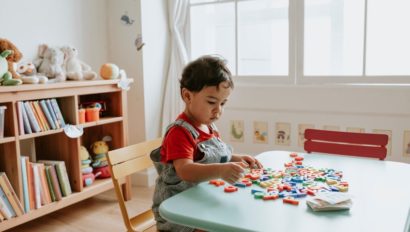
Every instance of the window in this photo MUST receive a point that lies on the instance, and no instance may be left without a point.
(306, 41)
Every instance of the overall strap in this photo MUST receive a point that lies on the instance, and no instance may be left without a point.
(186, 125)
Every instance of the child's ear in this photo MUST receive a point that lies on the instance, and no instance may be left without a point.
(186, 95)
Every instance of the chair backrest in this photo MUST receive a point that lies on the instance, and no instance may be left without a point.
(124, 162)
(346, 143)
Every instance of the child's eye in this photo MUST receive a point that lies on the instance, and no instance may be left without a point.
(211, 103)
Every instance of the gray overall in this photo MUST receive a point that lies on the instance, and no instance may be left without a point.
(168, 183)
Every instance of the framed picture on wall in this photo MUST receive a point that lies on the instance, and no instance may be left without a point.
(237, 130)
(282, 133)
(355, 129)
(331, 128)
(406, 143)
(260, 132)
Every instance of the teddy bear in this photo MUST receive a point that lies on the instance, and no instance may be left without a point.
(74, 68)
(13, 58)
(28, 74)
(5, 75)
(49, 62)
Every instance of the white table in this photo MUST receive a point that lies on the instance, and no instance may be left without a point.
(380, 189)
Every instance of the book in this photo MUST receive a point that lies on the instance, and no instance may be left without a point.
(52, 113)
(26, 123)
(62, 175)
(44, 191)
(32, 119)
(30, 178)
(47, 114)
(7, 203)
(5, 211)
(330, 201)
(1, 217)
(37, 115)
(26, 199)
(50, 183)
(11, 194)
(20, 118)
(54, 180)
(37, 185)
(41, 114)
(58, 112)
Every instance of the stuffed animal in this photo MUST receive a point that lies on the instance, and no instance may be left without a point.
(13, 58)
(5, 75)
(49, 62)
(74, 68)
(28, 74)
(100, 163)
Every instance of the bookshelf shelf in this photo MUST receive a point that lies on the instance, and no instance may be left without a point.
(7, 139)
(54, 144)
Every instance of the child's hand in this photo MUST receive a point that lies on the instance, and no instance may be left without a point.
(231, 172)
(251, 161)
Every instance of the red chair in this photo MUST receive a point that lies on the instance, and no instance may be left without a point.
(346, 143)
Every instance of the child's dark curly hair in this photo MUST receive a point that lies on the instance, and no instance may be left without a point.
(205, 71)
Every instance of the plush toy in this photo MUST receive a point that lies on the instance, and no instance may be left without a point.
(28, 74)
(74, 68)
(86, 170)
(13, 58)
(100, 163)
(110, 71)
(5, 75)
(49, 62)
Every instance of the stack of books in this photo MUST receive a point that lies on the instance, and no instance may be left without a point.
(10, 205)
(40, 115)
(330, 201)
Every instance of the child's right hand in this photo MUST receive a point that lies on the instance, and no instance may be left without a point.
(231, 172)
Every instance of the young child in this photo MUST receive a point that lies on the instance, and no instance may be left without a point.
(192, 150)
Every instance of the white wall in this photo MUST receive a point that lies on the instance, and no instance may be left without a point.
(155, 61)
(368, 107)
(79, 23)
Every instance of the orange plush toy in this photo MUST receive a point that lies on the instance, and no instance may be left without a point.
(13, 58)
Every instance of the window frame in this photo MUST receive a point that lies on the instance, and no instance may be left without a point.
(296, 55)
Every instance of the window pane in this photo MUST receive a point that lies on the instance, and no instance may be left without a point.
(263, 37)
(333, 43)
(388, 37)
(213, 31)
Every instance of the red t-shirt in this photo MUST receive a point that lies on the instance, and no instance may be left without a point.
(180, 144)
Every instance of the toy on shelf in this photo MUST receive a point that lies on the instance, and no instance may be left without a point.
(110, 71)
(76, 69)
(28, 74)
(49, 62)
(99, 156)
(5, 75)
(88, 176)
(12, 58)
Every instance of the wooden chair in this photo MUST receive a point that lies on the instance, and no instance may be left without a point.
(346, 143)
(126, 161)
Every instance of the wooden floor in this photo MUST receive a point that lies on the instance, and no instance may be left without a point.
(99, 213)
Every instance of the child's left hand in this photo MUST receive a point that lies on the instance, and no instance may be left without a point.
(250, 160)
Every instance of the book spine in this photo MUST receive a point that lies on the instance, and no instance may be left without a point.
(11, 195)
(37, 115)
(47, 114)
(27, 128)
(26, 199)
(42, 115)
(20, 117)
(46, 198)
(4, 210)
(50, 183)
(32, 119)
(37, 186)
(52, 113)
(7, 203)
(30, 178)
(56, 186)
(58, 112)
(63, 178)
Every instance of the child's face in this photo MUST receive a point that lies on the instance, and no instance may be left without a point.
(206, 106)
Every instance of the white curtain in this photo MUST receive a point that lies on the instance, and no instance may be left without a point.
(178, 13)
